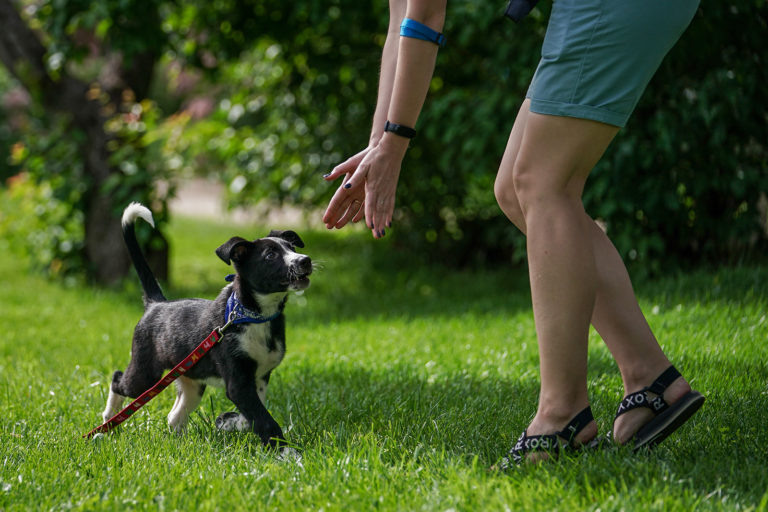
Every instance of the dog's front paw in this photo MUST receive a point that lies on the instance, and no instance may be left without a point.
(232, 422)
(270, 433)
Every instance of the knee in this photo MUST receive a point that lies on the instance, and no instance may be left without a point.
(538, 187)
(506, 197)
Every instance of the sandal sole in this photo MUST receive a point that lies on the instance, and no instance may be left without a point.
(660, 427)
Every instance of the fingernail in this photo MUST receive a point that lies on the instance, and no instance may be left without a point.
(326, 175)
(347, 185)
(383, 232)
(389, 224)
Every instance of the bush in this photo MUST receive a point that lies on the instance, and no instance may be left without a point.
(681, 184)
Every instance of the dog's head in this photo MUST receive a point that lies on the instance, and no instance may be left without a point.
(270, 264)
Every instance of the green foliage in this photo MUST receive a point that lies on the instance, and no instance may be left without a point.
(291, 103)
(293, 86)
(681, 184)
(39, 226)
(40, 218)
(43, 205)
(686, 180)
(258, 138)
(7, 168)
(131, 27)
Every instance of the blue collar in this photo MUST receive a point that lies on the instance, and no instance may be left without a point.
(236, 313)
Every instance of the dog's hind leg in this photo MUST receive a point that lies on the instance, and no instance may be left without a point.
(114, 400)
(128, 384)
(189, 393)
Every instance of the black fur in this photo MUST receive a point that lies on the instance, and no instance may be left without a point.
(168, 331)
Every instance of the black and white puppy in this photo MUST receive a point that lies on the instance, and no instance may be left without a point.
(267, 269)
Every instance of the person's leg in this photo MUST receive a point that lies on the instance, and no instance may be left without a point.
(616, 316)
(556, 152)
(618, 319)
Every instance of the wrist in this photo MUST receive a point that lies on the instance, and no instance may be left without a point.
(390, 142)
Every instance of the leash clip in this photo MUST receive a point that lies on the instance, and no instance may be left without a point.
(230, 321)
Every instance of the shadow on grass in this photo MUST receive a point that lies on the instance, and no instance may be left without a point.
(720, 450)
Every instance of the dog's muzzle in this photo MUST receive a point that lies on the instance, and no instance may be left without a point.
(298, 275)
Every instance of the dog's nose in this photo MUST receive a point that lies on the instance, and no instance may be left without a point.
(304, 265)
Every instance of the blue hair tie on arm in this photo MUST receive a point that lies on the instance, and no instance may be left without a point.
(416, 30)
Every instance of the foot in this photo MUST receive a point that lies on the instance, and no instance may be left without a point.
(627, 425)
(545, 437)
(648, 415)
(542, 425)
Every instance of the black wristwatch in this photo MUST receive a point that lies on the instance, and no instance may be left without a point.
(399, 129)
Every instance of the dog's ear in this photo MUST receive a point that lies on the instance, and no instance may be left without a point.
(235, 249)
(289, 236)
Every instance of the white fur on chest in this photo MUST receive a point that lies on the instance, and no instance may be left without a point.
(254, 342)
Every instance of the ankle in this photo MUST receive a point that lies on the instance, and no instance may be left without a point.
(642, 374)
(553, 417)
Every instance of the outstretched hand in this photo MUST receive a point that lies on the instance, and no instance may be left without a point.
(346, 205)
(368, 189)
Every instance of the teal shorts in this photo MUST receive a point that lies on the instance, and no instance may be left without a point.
(599, 55)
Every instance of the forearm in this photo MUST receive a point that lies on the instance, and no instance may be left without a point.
(388, 66)
(415, 66)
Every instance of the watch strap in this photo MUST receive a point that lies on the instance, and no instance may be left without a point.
(399, 129)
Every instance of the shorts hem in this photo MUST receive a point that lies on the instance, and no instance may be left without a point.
(600, 114)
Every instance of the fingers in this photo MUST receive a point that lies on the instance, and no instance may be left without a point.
(336, 208)
(345, 205)
(353, 211)
(360, 214)
(379, 216)
(368, 190)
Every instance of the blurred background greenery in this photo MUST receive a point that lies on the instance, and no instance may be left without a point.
(102, 103)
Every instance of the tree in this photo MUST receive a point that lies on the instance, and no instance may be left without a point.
(87, 107)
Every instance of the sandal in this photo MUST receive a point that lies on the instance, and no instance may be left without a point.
(549, 443)
(668, 417)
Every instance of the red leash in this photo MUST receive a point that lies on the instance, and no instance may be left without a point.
(179, 370)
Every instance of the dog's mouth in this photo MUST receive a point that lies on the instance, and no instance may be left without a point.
(298, 284)
(298, 281)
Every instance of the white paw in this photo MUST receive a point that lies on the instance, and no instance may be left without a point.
(232, 422)
(288, 454)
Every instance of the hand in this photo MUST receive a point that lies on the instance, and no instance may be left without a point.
(345, 205)
(373, 182)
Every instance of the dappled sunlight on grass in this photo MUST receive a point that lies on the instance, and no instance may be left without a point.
(402, 384)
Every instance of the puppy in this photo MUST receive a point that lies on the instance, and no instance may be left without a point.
(266, 270)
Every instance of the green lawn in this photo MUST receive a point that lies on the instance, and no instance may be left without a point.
(402, 384)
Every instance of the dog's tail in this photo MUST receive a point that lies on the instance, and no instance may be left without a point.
(152, 291)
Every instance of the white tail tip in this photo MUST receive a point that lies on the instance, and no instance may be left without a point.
(136, 210)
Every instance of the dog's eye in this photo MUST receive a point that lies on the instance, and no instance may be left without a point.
(270, 255)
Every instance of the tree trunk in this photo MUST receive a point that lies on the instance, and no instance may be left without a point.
(23, 54)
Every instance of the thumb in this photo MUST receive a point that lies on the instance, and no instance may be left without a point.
(346, 167)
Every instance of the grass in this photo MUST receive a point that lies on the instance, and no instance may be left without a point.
(402, 384)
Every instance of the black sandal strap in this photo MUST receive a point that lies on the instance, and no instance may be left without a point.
(641, 399)
(576, 425)
(664, 380)
(550, 443)
(527, 444)
(633, 401)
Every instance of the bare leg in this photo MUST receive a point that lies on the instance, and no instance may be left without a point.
(554, 153)
(616, 314)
